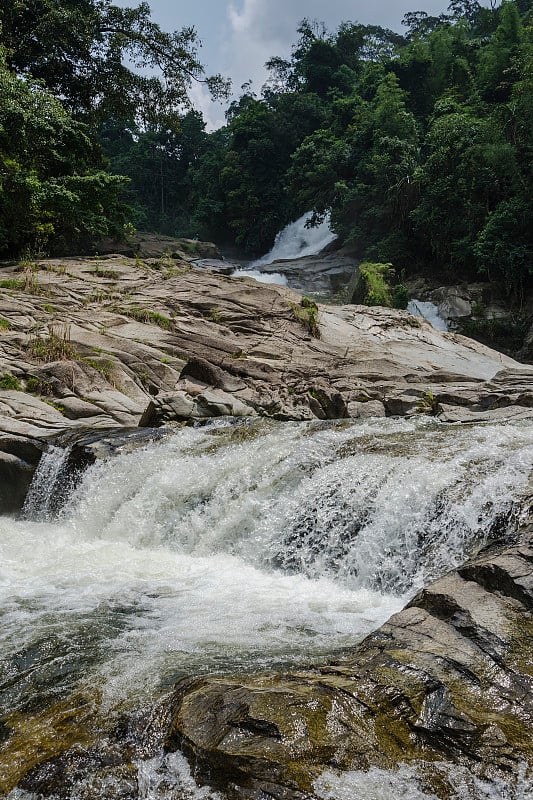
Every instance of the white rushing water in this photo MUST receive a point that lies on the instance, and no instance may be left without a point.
(298, 240)
(242, 547)
(407, 783)
(428, 311)
(294, 241)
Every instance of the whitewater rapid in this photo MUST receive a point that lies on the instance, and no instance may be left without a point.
(241, 546)
(296, 240)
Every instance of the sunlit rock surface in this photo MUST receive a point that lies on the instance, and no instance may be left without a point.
(104, 342)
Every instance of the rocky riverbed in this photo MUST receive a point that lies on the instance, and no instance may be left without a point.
(102, 349)
(114, 341)
(448, 679)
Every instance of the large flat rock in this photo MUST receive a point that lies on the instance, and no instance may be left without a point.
(104, 342)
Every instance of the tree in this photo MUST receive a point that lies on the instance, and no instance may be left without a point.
(100, 58)
(498, 60)
(504, 246)
(363, 174)
(157, 161)
(53, 184)
(469, 170)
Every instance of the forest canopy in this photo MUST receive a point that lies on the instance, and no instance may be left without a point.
(418, 145)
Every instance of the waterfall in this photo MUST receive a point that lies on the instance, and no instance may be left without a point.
(238, 546)
(429, 312)
(294, 241)
(50, 485)
(298, 240)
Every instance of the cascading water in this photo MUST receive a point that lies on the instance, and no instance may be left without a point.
(50, 484)
(297, 240)
(429, 312)
(294, 241)
(238, 547)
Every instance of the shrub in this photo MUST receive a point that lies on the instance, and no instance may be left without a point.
(373, 288)
(8, 381)
(307, 314)
(55, 346)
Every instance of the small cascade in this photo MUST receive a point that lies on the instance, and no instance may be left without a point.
(298, 240)
(429, 312)
(237, 546)
(50, 486)
(295, 241)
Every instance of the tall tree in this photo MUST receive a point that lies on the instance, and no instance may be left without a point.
(100, 58)
(53, 183)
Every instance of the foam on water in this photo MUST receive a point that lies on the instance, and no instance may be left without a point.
(407, 782)
(242, 547)
(298, 240)
(262, 277)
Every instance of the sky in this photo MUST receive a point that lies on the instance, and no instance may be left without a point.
(239, 36)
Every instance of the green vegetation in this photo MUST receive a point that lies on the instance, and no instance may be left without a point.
(11, 283)
(418, 145)
(215, 314)
(506, 334)
(38, 386)
(428, 403)
(147, 316)
(63, 78)
(373, 288)
(103, 272)
(307, 314)
(55, 345)
(102, 365)
(5, 324)
(8, 381)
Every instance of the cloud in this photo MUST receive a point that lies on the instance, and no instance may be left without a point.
(212, 112)
(260, 29)
(255, 30)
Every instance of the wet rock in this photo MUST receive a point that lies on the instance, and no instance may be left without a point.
(324, 274)
(446, 679)
(215, 265)
(19, 458)
(15, 479)
(366, 410)
(86, 449)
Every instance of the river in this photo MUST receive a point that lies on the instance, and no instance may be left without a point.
(235, 546)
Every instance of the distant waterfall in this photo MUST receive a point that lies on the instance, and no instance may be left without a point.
(429, 312)
(297, 240)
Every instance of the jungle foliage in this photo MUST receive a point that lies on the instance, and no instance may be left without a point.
(418, 145)
(68, 70)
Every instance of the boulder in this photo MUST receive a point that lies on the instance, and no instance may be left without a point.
(19, 458)
(448, 679)
(325, 274)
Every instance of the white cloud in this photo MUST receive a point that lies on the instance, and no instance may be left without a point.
(213, 113)
(249, 32)
(260, 29)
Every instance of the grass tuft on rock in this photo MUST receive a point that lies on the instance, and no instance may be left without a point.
(148, 316)
(8, 381)
(307, 315)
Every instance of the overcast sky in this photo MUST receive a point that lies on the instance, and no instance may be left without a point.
(238, 36)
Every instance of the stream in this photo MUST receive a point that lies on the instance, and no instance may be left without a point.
(238, 546)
